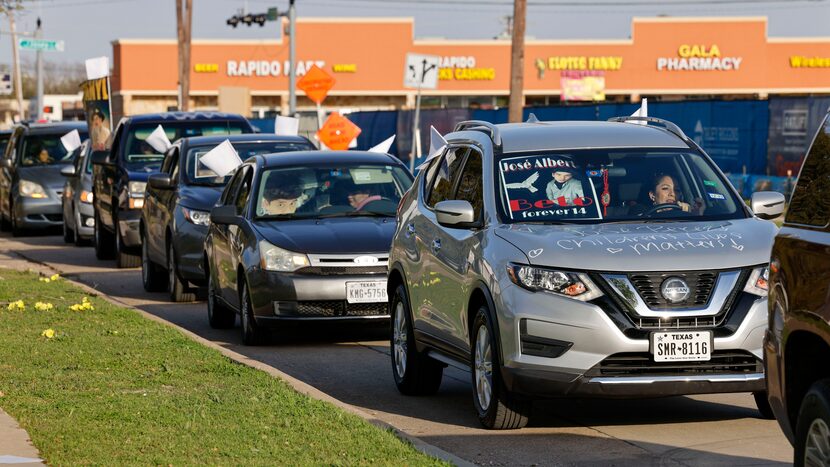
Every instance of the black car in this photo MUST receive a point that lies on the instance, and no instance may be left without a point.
(31, 184)
(797, 342)
(176, 214)
(120, 175)
(303, 236)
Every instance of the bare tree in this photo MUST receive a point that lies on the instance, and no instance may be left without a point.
(517, 61)
(184, 19)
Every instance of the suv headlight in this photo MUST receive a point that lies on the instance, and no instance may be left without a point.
(86, 197)
(137, 189)
(196, 217)
(758, 282)
(29, 189)
(567, 284)
(274, 258)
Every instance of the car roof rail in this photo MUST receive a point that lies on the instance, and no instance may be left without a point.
(478, 125)
(649, 120)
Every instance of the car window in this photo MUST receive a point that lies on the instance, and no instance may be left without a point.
(198, 174)
(470, 184)
(140, 155)
(810, 202)
(446, 175)
(243, 193)
(596, 186)
(227, 195)
(169, 157)
(339, 189)
(45, 149)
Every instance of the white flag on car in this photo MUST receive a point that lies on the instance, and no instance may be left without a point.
(437, 143)
(71, 141)
(384, 146)
(641, 112)
(98, 67)
(222, 159)
(158, 140)
(286, 126)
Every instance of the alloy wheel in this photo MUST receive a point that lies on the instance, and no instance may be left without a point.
(399, 336)
(483, 368)
(817, 448)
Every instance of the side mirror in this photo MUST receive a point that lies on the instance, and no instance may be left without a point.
(6, 163)
(767, 204)
(68, 171)
(225, 215)
(100, 157)
(161, 181)
(456, 214)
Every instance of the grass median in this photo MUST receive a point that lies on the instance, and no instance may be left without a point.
(94, 383)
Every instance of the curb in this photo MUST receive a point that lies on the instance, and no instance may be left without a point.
(296, 384)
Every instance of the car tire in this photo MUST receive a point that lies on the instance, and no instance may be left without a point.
(219, 316)
(812, 431)
(152, 276)
(102, 240)
(497, 408)
(17, 231)
(179, 291)
(123, 258)
(251, 333)
(415, 373)
(762, 403)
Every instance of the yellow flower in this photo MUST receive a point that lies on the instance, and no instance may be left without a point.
(85, 305)
(41, 306)
(18, 306)
(49, 333)
(55, 277)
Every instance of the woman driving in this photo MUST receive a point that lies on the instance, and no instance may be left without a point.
(663, 196)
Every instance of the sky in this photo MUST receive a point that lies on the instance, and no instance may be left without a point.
(88, 26)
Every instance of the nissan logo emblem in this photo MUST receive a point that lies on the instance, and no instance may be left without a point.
(366, 260)
(675, 290)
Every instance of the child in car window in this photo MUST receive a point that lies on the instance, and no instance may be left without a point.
(564, 185)
(44, 158)
(280, 196)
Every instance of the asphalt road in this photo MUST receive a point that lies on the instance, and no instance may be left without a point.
(352, 364)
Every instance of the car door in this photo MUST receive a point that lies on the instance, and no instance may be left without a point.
(223, 257)
(455, 250)
(166, 199)
(155, 221)
(235, 234)
(427, 280)
(105, 192)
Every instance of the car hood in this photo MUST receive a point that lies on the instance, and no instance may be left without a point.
(140, 175)
(675, 246)
(201, 198)
(334, 236)
(47, 175)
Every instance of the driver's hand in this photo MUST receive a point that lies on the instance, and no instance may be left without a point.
(684, 206)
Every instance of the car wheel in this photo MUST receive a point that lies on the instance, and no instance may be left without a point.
(219, 316)
(123, 258)
(812, 433)
(17, 231)
(251, 333)
(151, 275)
(415, 373)
(179, 291)
(101, 239)
(762, 403)
(497, 408)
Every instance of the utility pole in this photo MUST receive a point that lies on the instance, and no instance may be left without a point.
(184, 19)
(39, 35)
(517, 61)
(16, 57)
(292, 50)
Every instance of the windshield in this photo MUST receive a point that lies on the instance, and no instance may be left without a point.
(609, 186)
(199, 174)
(139, 155)
(45, 150)
(335, 191)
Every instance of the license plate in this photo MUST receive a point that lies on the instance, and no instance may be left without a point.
(688, 346)
(366, 292)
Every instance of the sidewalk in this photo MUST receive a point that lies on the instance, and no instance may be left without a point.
(15, 445)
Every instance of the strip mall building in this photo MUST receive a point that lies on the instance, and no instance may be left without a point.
(665, 59)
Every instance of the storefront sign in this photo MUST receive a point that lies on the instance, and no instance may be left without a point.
(463, 68)
(582, 85)
(266, 68)
(699, 58)
(206, 67)
(344, 68)
(576, 62)
(800, 61)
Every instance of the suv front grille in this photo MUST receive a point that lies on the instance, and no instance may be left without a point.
(648, 286)
(643, 364)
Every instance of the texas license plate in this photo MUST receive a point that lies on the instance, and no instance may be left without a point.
(688, 346)
(366, 292)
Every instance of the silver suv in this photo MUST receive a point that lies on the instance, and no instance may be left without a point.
(607, 259)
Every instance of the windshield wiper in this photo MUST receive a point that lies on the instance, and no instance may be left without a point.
(356, 214)
(277, 217)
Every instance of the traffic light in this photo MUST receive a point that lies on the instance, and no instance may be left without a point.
(251, 19)
(47, 109)
(260, 19)
(233, 21)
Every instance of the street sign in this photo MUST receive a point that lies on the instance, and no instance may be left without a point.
(316, 84)
(5, 84)
(40, 44)
(421, 71)
(338, 132)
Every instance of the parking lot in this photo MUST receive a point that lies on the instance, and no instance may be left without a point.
(352, 364)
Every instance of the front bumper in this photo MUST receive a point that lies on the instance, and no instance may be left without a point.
(44, 213)
(128, 224)
(591, 343)
(305, 296)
